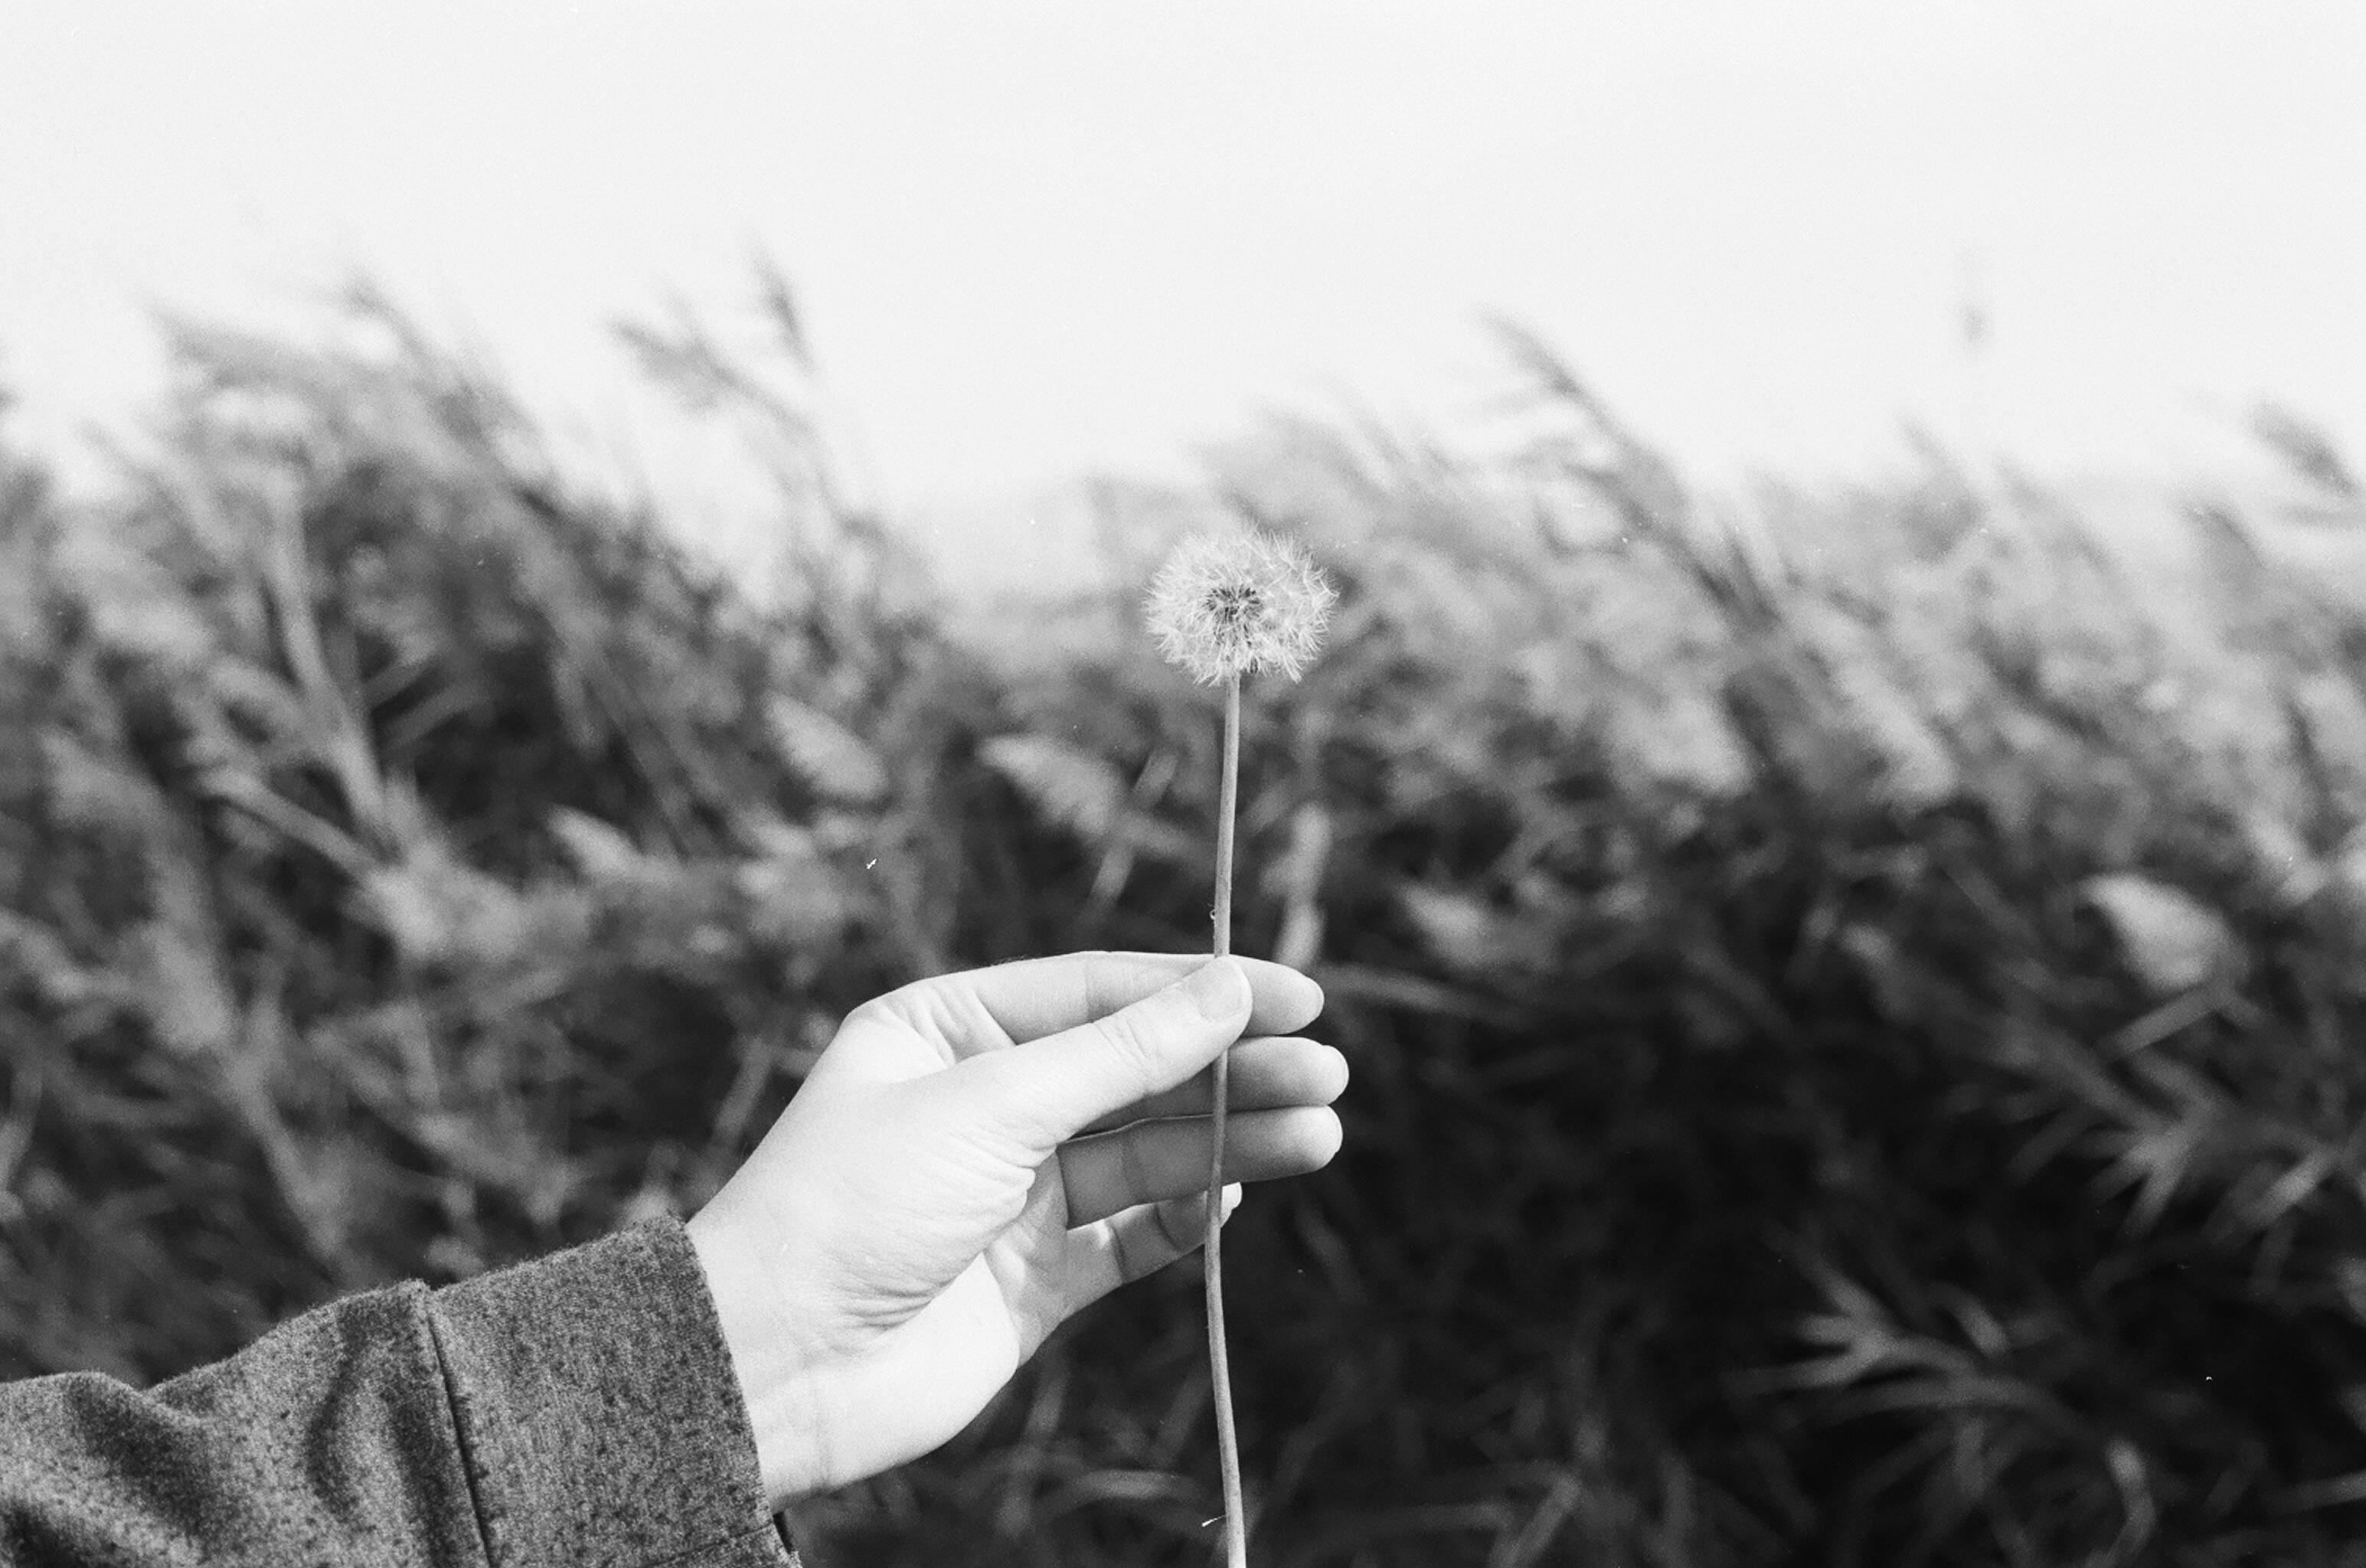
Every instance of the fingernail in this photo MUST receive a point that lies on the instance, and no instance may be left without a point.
(1218, 988)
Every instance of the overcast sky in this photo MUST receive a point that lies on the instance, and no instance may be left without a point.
(1033, 239)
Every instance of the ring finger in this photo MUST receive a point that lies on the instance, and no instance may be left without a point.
(1155, 1161)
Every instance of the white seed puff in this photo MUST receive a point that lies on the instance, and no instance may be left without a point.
(1237, 602)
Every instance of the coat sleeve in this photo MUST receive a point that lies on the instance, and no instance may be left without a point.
(578, 1409)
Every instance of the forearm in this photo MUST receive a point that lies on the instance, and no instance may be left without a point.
(580, 1407)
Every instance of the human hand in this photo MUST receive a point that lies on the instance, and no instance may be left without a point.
(974, 1160)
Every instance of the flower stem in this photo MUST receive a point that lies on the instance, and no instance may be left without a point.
(1228, 1454)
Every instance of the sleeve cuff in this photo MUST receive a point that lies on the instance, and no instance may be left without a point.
(600, 1419)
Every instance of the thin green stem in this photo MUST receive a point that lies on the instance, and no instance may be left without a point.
(1228, 1453)
(1227, 802)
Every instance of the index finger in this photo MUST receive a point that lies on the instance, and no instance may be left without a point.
(1032, 997)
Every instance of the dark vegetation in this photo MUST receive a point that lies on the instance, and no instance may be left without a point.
(1855, 1006)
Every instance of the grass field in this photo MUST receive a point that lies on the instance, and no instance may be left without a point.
(1854, 999)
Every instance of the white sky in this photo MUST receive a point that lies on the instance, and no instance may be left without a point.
(1030, 239)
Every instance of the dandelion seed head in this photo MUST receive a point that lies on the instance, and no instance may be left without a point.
(1237, 602)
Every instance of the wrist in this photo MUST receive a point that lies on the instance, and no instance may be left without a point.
(776, 1375)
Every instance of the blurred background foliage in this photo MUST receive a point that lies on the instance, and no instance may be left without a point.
(1854, 997)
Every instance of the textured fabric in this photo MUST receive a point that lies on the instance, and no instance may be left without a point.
(580, 1410)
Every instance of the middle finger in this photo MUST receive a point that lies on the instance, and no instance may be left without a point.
(1265, 1073)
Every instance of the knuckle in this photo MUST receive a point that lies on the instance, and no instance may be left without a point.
(1173, 1228)
(1132, 1050)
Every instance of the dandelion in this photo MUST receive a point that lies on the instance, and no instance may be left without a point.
(1226, 605)
(1232, 605)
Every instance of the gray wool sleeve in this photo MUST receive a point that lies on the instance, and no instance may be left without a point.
(575, 1410)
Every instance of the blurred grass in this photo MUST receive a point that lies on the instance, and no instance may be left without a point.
(1854, 999)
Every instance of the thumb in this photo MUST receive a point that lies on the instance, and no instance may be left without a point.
(1048, 1091)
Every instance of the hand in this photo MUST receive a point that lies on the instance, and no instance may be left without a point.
(974, 1160)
